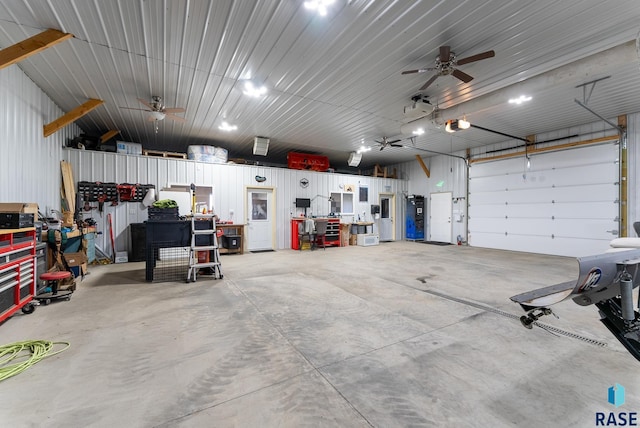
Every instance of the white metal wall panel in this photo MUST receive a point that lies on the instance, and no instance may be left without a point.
(229, 182)
(565, 204)
(30, 163)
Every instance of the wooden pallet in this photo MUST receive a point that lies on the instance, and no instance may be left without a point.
(164, 154)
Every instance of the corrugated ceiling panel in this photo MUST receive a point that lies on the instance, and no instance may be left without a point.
(334, 80)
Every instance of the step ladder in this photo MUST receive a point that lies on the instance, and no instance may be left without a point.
(212, 247)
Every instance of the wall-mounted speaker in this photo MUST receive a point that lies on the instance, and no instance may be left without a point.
(354, 159)
(260, 146)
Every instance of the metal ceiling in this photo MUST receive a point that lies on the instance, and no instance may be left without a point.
(334, 82)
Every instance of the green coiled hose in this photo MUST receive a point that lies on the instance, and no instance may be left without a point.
(18, 356)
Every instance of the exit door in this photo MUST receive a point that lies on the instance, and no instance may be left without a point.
(387, 214)
(441, 210)
(260, 219)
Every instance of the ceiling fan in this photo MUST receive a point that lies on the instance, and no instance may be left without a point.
(447, 63)
(386, 143)
(158, 111)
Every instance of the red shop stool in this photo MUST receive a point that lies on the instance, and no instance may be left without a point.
(53, 282)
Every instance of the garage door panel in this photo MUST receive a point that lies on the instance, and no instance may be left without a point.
(544, 211)
(491, 211)
(488, 198)
(486, 224)
(528, 196)
(598, 192)
(566, 204)
(585, 210)
(539, 244)
(585, 174)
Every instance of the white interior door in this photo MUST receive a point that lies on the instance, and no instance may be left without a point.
(387, 214)
(440, 217)
(260, 219)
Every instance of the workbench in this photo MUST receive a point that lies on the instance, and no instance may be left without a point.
(332, 237)
(231, 230)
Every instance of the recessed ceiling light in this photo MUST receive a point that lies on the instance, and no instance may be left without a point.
(253, 91)
(318, 5)
(363, 149)
(521, 99)
(224, 126)
(419, 131)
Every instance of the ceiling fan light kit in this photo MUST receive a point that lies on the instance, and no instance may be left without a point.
(156, 115)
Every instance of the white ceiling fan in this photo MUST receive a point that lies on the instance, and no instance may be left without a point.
(157, 110)
(388, 143)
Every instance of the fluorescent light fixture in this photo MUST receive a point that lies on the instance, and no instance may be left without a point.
(521, 99)
(260, 146)
(363, 149)
(419, 131)
(318, 5)
(354, 158)
(226, 127)
(252, 91)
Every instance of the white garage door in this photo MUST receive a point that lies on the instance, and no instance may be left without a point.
(565, 204)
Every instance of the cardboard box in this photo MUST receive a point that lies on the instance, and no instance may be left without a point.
(75, 259)
(344, 234)
(20, 207)
(353, 239)
(77, 263)
(79, 271)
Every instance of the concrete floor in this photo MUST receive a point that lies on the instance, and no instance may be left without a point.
(402, 334)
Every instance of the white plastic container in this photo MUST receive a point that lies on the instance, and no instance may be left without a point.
(208, 154)
(127, 148)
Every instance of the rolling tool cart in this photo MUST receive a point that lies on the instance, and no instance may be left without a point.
(204, 253)
(17, 270)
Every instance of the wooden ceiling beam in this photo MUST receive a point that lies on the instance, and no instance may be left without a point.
(423, 166)
(31, 46)
(71, 116)
(108, 135)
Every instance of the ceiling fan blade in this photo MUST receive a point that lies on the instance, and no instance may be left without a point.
(462, 76)
(174, 110)
(174, 117)
(381, 147)
(132, 108)
(396, 145)
(419, 70)
(445, 53)
(391, 142)
(145, 103)
(477, 57)
(429, 82)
